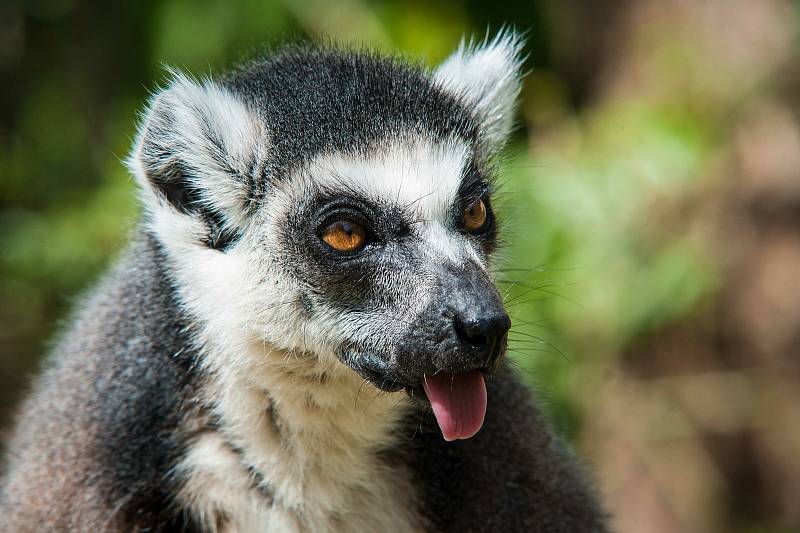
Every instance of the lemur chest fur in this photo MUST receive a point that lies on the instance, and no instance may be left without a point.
(297, 447)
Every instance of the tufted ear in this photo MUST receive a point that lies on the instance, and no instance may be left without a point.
(197, 154)
(487, 78)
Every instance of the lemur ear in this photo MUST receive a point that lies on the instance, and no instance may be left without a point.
(487, 78)
(197, 154)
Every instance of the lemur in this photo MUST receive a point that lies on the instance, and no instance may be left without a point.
(303, 334)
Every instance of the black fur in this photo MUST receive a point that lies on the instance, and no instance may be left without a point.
(514, 475)
(317, 99)
(141, 399)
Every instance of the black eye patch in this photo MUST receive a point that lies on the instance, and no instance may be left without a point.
(383, 221)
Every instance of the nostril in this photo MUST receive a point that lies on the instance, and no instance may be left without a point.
(483, 337)
(472, 335)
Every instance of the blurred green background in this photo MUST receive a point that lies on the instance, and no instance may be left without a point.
(651, 198)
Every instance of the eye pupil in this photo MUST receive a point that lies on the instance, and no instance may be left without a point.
(345, 236)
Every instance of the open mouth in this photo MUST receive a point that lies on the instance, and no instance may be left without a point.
(458, 402)
(458, 399)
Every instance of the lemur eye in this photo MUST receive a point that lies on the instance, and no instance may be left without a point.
(345, 236)
(475, 215)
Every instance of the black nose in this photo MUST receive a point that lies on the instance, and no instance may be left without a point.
(484, 336)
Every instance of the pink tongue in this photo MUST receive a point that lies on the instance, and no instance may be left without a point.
(458, 401)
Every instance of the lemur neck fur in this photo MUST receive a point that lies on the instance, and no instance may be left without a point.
(310, 434)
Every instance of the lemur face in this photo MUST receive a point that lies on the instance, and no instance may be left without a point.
(391, 247)
(338, 205)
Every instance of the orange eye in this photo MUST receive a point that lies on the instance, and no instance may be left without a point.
(345, 236)
(475, 216)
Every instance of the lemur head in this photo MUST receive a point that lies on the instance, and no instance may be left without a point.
(337, 205)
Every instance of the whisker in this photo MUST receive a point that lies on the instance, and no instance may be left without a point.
(533, 300)
(541, 340)
(532, 289)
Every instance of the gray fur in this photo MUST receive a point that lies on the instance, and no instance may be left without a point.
(111, 414)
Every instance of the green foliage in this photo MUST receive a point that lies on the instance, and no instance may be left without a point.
(583, 202)
(591, 211)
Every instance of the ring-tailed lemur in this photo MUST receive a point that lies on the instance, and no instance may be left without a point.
(309, 285)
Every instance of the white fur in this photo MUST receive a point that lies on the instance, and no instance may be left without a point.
(321, 467)
(486, 77)
(180, 119)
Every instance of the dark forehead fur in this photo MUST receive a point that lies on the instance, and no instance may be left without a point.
(316, 99)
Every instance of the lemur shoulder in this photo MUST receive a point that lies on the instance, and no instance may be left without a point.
(303, 334)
